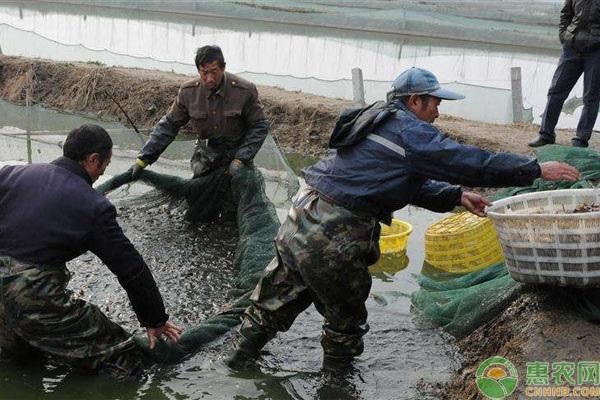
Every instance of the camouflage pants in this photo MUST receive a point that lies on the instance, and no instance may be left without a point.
(210, 156)
(323, 254)
(39, 315)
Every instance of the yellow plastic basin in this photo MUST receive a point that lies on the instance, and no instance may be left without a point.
(462, 243)
(394, 238)
(392, 244)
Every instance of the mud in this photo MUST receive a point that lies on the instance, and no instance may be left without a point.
(542, 325)
(586, 208)
(192, 263)
(300, 122)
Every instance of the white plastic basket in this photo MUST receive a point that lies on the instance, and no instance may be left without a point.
(544, 242)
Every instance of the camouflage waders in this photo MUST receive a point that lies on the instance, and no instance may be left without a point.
(39, 315)
(323, 254)
(212, 154)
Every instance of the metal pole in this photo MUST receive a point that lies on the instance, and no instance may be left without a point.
(358, 87)
(516, 87)
(28, 124)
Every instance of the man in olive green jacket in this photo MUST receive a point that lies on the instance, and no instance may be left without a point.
(223, 110)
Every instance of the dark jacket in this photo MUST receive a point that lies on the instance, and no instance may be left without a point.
(404, 161)
(50, 214)
(232, 119)
(580, 25)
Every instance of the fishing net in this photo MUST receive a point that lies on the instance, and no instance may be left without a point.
(460, 304)
(241, 198)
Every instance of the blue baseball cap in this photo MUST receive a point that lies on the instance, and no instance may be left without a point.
(421, 81)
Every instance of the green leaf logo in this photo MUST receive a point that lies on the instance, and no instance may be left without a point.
(496, 378)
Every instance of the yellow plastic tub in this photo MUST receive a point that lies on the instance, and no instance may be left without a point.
(462, 243)
(394, 238)
(392, 244)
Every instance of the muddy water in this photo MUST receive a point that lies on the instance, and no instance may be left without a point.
(192, 264)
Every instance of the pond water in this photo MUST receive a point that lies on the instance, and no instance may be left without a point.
(192, 265)
(310, 59)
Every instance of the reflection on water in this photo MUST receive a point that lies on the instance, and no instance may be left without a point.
(437, 274)
(388, 265)
(192, 267)
(40, 121)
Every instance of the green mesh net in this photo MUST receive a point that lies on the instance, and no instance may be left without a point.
(586, 160)
(462, 304)
(249, 199)
(257, 224)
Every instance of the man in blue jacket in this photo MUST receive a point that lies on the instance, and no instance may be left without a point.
(50, 214)
(331, 234)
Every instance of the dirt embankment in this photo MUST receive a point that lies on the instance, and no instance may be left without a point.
(300, 122)
(540, 326)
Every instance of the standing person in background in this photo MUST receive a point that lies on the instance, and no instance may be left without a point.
(579, 33)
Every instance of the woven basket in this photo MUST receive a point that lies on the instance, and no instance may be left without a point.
(462, 243)
(544, 242)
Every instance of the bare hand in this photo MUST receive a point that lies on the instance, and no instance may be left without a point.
(558, 171)
(170, 330)
(474, 203)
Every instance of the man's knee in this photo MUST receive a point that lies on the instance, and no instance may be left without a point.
(559, 92)
(13, 347)
(591, 100)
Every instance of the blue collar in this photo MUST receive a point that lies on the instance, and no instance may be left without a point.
(73, 167)
(399, 105)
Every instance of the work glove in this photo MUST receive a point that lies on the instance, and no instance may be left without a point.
(137, 169)
(234, 167)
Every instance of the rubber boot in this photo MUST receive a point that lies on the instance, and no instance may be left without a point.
(247, 345)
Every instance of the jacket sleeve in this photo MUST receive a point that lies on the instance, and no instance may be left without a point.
(252, 141)
(165, 131)
(257, 128)
(435, 156)
(566, 16)
(437, 196)
(109, 243)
